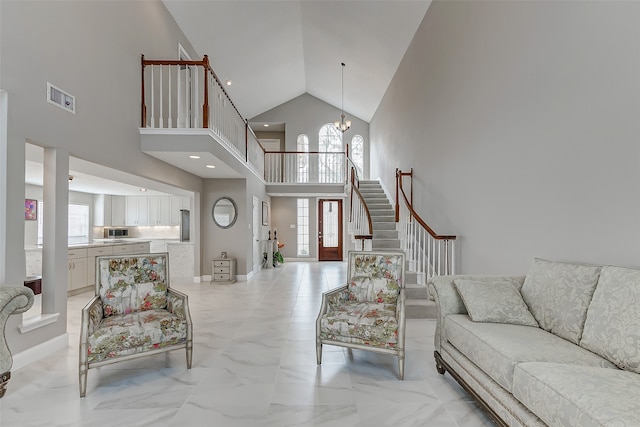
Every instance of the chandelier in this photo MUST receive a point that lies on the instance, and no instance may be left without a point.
(342, 125)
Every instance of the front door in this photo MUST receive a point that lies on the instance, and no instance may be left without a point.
(330, 230)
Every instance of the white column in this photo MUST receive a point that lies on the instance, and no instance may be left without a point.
(55, 225)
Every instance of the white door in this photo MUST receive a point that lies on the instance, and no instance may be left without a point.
(257, 223)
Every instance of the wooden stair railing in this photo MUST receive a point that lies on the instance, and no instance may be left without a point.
(360, 223)
(428, 253)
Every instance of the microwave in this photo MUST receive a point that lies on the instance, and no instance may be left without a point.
(116, 233)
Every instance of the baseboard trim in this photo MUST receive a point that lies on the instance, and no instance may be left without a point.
(40, 351)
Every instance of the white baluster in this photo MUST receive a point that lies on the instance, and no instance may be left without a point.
(170, 121)
(153, 90)
(161, 118)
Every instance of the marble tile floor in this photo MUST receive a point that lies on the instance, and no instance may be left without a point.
(254, 364)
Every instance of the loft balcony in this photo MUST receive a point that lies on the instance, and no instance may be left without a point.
(185, 111)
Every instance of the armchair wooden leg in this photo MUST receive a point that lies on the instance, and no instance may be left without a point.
(401, 366)
(83, 380)
(319, 352)
(189, 355)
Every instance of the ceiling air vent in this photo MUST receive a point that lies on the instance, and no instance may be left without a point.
(60, 98)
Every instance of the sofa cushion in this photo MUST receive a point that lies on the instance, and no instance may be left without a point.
(558, 295)
(373, 324)
(126, 334)
(496, 302)
(612, 329)
(375, 278)
(570, 395)
(498, 348)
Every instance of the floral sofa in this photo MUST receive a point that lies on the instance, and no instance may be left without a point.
(558, 347)
(134, 313)
(13, 300)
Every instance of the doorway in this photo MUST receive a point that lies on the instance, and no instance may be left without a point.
(329, 230)
(256, 226)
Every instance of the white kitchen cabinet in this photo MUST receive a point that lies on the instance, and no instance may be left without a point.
(123, 249)
(102, 210)
(159, 210)
(137, 211)
(118, 210)
(92, 253)
(77, 268)
(141, 248)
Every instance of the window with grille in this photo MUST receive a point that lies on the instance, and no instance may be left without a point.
(303, 227)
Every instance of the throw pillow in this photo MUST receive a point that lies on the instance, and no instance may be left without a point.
(558, 295)
(494, 302)
(612, 329)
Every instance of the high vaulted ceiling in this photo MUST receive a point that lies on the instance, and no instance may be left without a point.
(274, 51)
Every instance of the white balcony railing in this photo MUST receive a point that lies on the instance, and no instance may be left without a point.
(304, 167)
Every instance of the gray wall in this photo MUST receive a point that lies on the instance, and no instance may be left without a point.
(306, 114)
(92, 50)
(520, 120)
(284, 212)
(237, 241)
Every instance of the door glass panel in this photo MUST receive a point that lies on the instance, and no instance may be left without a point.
(330, 224)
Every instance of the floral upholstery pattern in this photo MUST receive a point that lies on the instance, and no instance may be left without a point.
(362, 323)
(495, 302)
(375, 278)
(368, 311)
(134, 311)
(128, 285)
(558, 295)
(612, 329)
(126, 334)
(569, 395)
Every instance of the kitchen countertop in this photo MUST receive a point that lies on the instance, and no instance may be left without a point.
(96, 243)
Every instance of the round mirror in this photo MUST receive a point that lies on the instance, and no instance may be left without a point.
(224, 212)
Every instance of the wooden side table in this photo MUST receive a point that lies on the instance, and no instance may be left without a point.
(223, 270)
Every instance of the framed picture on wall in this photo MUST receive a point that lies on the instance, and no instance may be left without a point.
(30, 209)
(265, 213)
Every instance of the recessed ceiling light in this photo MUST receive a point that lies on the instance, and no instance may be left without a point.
(194, 157)
(211, 166)
(266, 125)
(229, 82)
(143, 189)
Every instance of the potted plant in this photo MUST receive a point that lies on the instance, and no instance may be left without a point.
(277, 258)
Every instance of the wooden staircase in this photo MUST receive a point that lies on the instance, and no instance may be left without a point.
(385, 238)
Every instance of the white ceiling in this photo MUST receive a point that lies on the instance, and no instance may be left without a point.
(274, 51)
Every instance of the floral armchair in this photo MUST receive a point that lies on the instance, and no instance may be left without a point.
(134, 313)
(368, 313)
(13, 300)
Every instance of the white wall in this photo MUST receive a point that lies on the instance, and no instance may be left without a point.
(92, 50)
(521, 121)
(306, 114)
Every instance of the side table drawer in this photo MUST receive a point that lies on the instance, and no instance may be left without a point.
(221, 270)
(221, 277)
(225, 263)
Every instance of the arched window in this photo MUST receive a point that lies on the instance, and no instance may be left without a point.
(330, 165)
(356, 153)
(303, 159)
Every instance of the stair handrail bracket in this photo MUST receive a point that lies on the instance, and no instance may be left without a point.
(428, 253)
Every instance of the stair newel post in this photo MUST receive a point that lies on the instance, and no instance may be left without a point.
(143, 107)
(205, 104)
